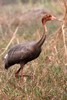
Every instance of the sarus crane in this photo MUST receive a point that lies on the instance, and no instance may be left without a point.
(25, 52)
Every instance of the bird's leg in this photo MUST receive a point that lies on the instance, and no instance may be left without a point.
(23, 75)
(16, 74)
(22, 65)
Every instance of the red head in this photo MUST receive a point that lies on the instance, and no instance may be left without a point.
(47, 17)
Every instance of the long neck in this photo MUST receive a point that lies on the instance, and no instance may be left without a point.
(41, 41)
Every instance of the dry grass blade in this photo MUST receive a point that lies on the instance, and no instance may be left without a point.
(64, 29)
(65, 47)
(13, 37)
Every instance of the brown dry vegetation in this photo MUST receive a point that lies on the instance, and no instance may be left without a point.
(49, 71)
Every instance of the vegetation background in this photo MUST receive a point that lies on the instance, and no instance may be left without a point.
(20, 20)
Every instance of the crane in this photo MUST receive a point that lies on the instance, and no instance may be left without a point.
(25, 52)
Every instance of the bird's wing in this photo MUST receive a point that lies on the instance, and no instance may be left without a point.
(17, 54)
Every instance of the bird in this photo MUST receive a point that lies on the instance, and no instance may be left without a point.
(23, 53)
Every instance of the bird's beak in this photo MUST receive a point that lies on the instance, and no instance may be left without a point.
(60, 20)
(53, 18)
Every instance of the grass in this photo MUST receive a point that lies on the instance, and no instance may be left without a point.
(48, 71)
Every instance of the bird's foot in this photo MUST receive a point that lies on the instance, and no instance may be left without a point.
(23, 75)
